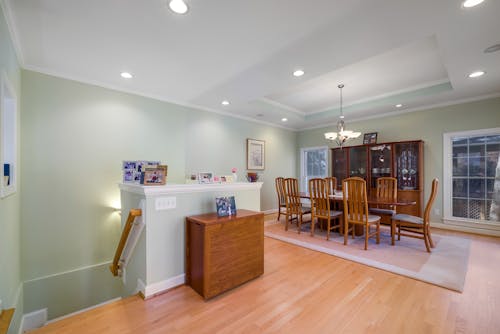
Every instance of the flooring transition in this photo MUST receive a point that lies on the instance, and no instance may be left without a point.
(446, 266)
(304, 291)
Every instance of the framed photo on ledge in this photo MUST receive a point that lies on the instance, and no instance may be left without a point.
(370, 138)
(256, 154)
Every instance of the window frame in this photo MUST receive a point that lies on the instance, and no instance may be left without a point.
(7, 90)
(448, 217)
(303, 168)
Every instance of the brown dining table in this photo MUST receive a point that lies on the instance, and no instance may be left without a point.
(372, 200)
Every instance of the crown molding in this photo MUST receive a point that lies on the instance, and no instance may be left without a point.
(14, 35)
(407, 111)
(147, 95)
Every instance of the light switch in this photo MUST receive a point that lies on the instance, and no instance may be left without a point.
(165, 203)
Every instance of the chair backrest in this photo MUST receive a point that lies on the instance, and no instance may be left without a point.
(387, 187)
(320, 202)
(292, 198)
(430, 202)
(280, 190)
(332, 184)
(355, 201)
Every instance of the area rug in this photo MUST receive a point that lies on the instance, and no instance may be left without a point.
(446, 266)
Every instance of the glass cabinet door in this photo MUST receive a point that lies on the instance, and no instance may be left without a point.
(339, 165)
(358, 162)
(380, 162)
(407, 165)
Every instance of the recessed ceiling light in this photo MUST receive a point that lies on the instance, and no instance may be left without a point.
(126, 75)
(298, 73)
(284, 119)
(225, 103)
(399, 105)
(178, 6)
(476, 74)
(493, 48)
(471, 3)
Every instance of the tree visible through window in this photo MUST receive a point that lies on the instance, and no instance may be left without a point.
(313, 164)
(476, 177)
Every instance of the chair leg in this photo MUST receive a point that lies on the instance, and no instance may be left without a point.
(299, 224)
(426, 242)
(312, 226)
(346, 232)
(399, 232)
(279, 213)
(392, 231)
(286, 222)
(378, 232)
(367, 232)
(429, 236)
(328, 229)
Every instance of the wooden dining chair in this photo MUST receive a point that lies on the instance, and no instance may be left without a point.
(356, 209)
(319, 192)
(293, 204)
(280, 191)
(387, 188)
(332, 184)
(416, 227)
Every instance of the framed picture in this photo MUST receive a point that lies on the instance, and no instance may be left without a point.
(226, 206)
(370, 138)
(154, 176)
(205, 177)
(256, 154)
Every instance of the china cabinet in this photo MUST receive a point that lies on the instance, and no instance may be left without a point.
(402, 160)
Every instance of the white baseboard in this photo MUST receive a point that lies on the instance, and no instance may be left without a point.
(84, 310)
(32, 320)
(466, 229)
(151, 290)
(267, 212)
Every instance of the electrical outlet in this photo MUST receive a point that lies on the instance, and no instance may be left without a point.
(165, 203)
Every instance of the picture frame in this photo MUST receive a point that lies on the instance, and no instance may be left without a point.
(370, 138)
(154, 176)
(226, 206)
(256, 154)
(205, 177)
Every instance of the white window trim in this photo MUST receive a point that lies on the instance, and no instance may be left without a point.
(302, 162)
(447, 182)
(5, 84)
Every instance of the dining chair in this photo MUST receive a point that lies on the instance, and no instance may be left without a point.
(319, 191)
(416, 227)
(387, 188)
(280, 191)
(293, 204)
(356, 209)
(332, 184)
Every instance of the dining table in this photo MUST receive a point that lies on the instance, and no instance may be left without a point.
(372, 200)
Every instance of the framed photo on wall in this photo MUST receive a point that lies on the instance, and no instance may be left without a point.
(256, 154)
(370, 138)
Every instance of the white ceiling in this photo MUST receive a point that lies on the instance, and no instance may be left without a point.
(417, 53)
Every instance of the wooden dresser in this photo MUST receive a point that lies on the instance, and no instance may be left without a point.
(223, 252)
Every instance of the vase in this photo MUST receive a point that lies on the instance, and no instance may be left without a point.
(235, 177)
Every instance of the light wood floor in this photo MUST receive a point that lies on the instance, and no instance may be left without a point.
(303, 291)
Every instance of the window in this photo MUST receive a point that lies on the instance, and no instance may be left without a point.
(472, 177)
(313, 163)
(8, 147)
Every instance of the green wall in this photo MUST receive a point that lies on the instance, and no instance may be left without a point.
(10, 258)
(428, 125)
(74, 139)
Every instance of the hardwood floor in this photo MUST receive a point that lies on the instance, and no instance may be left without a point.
(303, 291)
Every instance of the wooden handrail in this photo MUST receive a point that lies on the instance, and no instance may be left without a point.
(115, 266)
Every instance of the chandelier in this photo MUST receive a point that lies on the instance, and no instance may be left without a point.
(342, 135)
